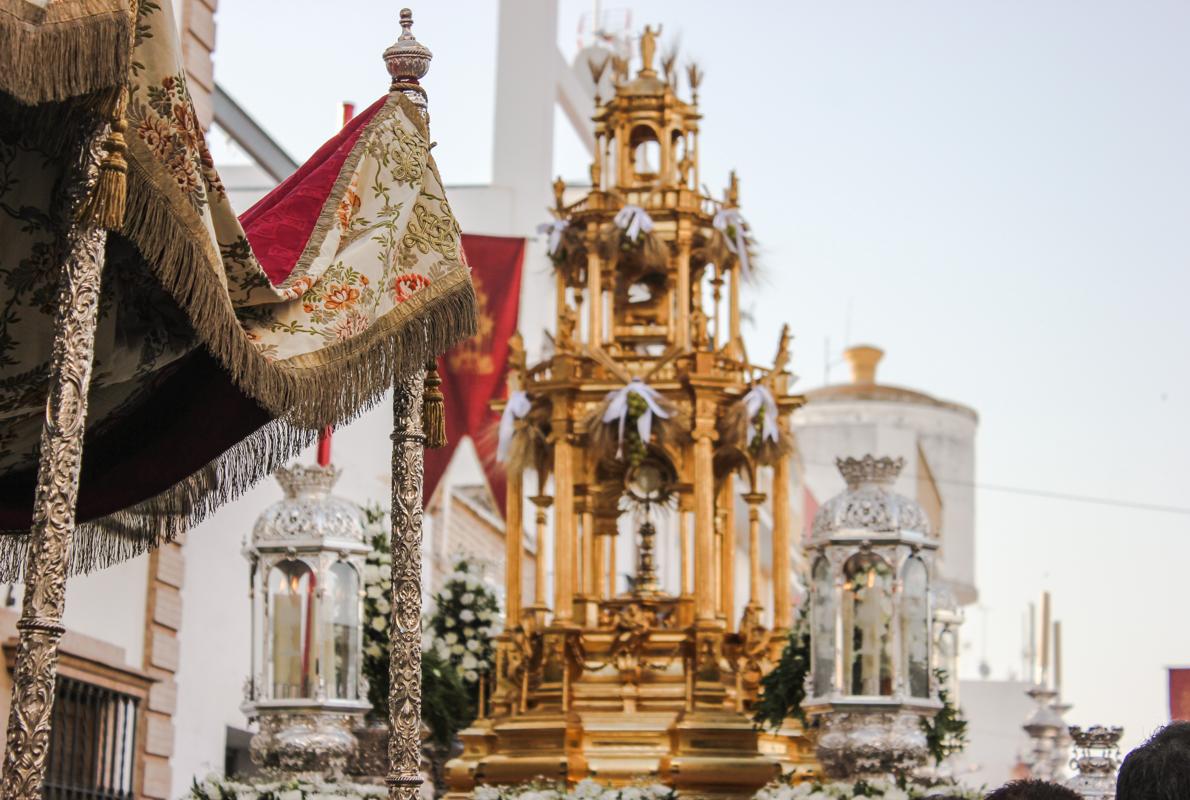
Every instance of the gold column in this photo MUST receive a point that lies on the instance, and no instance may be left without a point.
(727, 573)
(564, 521)
(734, 341)
(683, 285)
(684, 545)
(612, 538)
(540, 604)
(514, 546)
(782, 542)
(599, 557)
(55, 498)
(754, 499)
(704, 520)
(594, 287)
(590, 538)
(404, 671)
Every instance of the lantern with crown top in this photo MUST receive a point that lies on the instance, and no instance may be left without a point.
(306, 688)
(871, 681)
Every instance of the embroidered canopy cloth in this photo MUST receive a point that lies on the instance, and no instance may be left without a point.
(223, 344)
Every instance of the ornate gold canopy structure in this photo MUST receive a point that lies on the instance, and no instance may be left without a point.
(641, 434)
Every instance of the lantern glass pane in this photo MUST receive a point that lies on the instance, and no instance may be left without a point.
(867, 625)
(340, 650)
(291, 614)
(948, 655)
(915, 621)
(822, 632)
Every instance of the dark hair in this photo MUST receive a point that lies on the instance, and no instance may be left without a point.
(1160, 768)
(1033, 790)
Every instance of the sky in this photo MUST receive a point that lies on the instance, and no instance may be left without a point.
(996, 192)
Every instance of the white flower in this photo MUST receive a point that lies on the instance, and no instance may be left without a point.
(383, 606)
(486, 793)
(471, 675)
(457, 649)
(449, 622)
(466, 615)
(586, 789)
(472, 645)
(469, 661)
(631, 793)
(467, 599)
(373, 591)
(374, 651)
(379, 623)
(451, 637)
(894, 793)
(291, 794)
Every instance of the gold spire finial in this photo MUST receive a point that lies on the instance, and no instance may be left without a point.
(648, 49)
(731, 195)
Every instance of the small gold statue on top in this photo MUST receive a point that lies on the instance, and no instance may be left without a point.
(648, 48)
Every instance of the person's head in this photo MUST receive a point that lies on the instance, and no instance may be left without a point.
(1160, 768)
(1033, 790)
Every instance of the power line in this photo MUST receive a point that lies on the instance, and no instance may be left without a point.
(1050, 495)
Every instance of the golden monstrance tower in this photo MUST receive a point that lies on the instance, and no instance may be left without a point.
(637, 436)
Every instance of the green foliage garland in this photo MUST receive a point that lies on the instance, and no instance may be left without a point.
(946, 733)
(783, 689)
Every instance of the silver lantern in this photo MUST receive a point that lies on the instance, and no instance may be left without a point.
(870, 680)
(306, 689)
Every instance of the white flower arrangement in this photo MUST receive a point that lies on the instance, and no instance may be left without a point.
(217, 787)
(466, 617)
(876, 789)
(584, 790)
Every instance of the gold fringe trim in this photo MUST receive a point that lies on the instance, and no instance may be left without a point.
(67, 48)
(136, 530)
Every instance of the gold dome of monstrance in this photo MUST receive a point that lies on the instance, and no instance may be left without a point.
(638, 432)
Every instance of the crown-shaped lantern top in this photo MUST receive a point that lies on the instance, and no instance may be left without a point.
(869, 504)
(309, 516)
(879, 471)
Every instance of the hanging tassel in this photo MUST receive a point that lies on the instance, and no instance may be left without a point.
(433, 409)
(104, 207)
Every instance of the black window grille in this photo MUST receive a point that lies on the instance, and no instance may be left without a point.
(92, 743)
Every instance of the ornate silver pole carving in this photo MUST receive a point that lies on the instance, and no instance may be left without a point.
(404, 699)
(407, 61)
(56, 496)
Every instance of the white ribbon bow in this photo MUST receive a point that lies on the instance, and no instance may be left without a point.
(617, 409)
(633, 220)
(517, 408)
(727, 218)
(759, 397)
(555, 230)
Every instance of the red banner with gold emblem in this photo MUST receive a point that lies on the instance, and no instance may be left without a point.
(473, 372)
